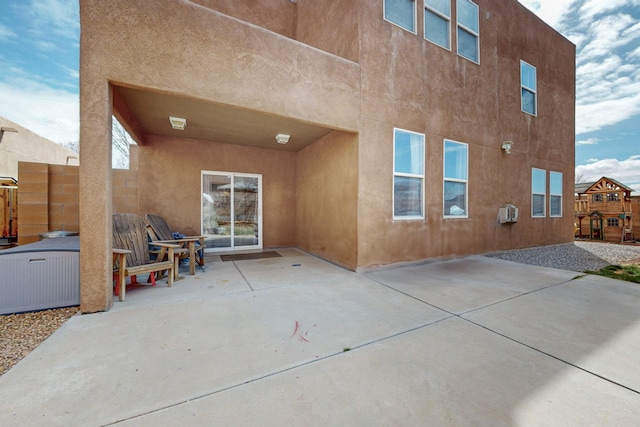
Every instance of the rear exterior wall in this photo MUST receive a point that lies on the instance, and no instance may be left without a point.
(430, 90)
(170, 182)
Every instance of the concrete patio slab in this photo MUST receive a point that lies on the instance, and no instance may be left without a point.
(464, 284)
(592, 322)
(148, 354)
(299, 341)
(449, 374)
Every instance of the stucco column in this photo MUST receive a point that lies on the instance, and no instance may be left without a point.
(96, 293)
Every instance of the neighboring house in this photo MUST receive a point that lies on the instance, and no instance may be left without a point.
(367, 132)
(603, 210)
(19, 144)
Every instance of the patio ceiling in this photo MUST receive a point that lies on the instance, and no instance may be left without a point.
(210, 121)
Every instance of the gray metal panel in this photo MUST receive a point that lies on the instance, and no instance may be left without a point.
(32, 281)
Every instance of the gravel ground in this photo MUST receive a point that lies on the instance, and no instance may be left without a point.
(21, 333)
(579, 256)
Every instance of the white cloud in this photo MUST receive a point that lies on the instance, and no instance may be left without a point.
(6, 33)
(550, 11)
(590, 141)
(593, 8)
(54, 16)
(53, 114)
(625, 171)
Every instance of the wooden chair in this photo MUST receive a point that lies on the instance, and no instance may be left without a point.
(131, 253)
(160, 232)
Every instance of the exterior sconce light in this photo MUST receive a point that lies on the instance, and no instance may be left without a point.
(282, 138)
(506, 146)
(177, 122)
(5, 129)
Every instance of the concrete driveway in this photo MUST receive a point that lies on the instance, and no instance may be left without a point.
(296, 341)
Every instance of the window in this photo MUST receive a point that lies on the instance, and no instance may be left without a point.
(538, 192)
(529, 88)
(468, 30)
(596, 197)
(437, 22)
(555, 193)
(612, 197)
(401, 13)
(456, 166)
(408, 175)
(613, 222)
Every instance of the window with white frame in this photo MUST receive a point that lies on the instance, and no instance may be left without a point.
(402, 13)
(613, 222)
(538, 192)
(555, 194)
(437, 22)
(528, 81)
(408, 175)
(468, 30)
(456, 171)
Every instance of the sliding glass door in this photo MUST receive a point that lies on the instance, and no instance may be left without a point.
(231, 211)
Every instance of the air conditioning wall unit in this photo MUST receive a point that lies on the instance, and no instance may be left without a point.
(508, 214)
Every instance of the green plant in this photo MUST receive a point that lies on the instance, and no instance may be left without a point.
(629, 273)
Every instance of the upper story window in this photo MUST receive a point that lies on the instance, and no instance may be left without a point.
(402, 13)
(408, 175)
(596, 197)
(538, 192)
(468, 30)
(437, 22)
(612, 197)
(529, 88)
(555, 194)
(456, 171)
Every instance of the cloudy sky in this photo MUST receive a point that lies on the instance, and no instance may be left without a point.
(39, 42)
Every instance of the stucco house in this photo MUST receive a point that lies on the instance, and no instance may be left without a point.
(366, 132)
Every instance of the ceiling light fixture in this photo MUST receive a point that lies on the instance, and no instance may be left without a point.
(177, 122)
(282, 138)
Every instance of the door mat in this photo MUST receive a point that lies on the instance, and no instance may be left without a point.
(243, 257)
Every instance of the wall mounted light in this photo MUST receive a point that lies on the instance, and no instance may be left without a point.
(506, 146)
(177, 122)
(6, 129)
(282, 138)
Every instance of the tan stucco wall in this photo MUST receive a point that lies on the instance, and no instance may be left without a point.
(278, 16)
(327, 202)
(329, 25)
(172, 168)
(433, 91)
(26, 146)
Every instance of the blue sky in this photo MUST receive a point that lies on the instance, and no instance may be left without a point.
(39, 42)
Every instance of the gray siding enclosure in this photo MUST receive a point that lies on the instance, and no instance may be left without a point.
(40, 275)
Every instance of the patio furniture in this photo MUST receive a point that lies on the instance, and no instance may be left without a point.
(160, 232)
(131, 253)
